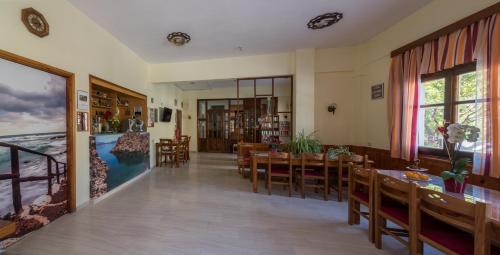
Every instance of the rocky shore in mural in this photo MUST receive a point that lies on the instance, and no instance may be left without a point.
(41, 212)
(116, 159)
(131, 143)
(98, 172)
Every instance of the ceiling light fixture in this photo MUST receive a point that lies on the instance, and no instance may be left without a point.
(178, 38)
(325, 20)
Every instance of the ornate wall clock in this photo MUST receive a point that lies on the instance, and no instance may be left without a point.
(35, 22)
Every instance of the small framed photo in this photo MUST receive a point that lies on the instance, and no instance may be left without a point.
(82, 100)
(82, 122)
(151, 117)
(378, 91)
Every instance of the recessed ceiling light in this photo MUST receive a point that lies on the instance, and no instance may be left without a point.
(325, 20)
(178, 38)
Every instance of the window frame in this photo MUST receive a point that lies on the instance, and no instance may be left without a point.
(450, 103)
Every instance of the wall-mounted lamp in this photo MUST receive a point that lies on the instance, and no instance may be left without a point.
(332, 108)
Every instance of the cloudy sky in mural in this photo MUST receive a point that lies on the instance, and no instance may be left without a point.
(31, 101)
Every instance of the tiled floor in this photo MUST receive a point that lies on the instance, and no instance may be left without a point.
(205, 207)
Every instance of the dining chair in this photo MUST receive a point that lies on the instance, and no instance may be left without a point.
(280, 167)
(244, 158)
(181, 150)
(187, 138)
(391, 202)
(314, 168)
(449, 224)
(342, 174)
(360, 193)
(168, 152)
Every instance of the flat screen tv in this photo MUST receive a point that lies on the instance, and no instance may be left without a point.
(167, 115)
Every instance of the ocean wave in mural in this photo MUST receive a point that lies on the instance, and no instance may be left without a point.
(33, 131)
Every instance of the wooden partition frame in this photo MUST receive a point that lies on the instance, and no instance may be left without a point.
(255, 96)
(70, 115)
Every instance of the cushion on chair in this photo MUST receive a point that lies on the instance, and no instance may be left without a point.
(314, 174)
(448, 236)
(397, 211)
(361, 196)
(280, 171)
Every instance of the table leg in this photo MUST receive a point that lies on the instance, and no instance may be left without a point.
(157, 155)
(177, 157)
(254, 174)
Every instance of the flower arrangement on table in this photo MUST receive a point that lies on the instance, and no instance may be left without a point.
(456, 178)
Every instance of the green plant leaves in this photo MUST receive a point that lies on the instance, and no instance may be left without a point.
(304, 143)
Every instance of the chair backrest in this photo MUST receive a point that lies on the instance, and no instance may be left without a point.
(453, 211)
(279, 158)
(261, 147)
(450, 209)
(244, 149)
(390, 187)
(314, 160)
(163, 140)
(360, 178)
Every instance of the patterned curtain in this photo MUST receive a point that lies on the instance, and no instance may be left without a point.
(479, 41)
(487, 53)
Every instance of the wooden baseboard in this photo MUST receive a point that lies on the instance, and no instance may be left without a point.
(383, 160)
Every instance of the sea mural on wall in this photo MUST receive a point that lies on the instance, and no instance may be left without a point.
(33, 117)
(116, 159)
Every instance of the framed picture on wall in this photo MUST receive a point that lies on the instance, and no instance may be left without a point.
(82, 102)
(82, 122)
(378, 91)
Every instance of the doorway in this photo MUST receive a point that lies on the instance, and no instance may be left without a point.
(215, 137)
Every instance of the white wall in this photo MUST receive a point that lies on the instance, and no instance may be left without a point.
(223, 68)
(80, 46)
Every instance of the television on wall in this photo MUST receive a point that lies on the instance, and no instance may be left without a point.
(167, 115)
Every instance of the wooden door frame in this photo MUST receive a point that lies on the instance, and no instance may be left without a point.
(70, 116)
(223, 111)
(178, 119)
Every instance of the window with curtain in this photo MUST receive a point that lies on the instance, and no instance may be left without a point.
(449, 96)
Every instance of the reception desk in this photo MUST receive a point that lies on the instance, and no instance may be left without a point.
(116, 159)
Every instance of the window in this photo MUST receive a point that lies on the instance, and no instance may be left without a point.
(449, 96)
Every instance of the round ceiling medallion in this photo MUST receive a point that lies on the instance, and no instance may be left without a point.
(178, 38)
(325, 20)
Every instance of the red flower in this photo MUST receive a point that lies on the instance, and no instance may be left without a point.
(442, 130)
(106, 115)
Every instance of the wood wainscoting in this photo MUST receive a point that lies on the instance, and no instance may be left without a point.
(435, 165)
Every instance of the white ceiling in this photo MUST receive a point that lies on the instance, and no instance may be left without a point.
(204, 85)
(218, 27)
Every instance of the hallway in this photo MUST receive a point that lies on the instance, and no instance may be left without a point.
(204, 207)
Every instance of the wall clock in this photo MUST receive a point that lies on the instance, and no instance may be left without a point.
(35, 22)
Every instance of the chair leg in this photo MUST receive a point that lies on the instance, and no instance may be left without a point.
(378, 233)
(289, 186)
(326, 189)
(269, 183)
(302, 192)
(350, 212)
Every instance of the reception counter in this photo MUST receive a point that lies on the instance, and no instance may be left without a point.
(116, 159)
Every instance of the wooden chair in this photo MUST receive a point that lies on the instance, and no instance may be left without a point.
(360, 190)
(318, 173)
(449, 224)
(279, 166)
(342, 175)
(244, 158)
(186, 147)
(391, 202)
(168, 152)
(181, 150)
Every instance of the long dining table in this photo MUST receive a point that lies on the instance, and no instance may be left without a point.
(262, 157)
(471, 194)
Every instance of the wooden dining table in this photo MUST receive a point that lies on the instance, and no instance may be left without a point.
(175, 143)
(471, 194)
(262, 157)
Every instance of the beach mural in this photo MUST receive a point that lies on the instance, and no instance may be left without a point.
(116, 159)
(33, 117)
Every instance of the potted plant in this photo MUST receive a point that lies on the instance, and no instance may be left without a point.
(304, 143)
(455, 179)
(115, 124)
(341, 150)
